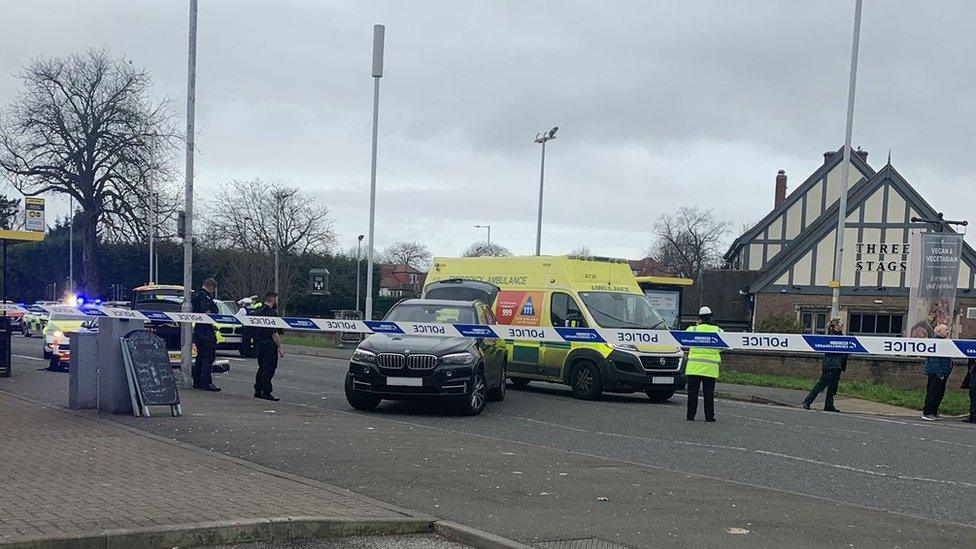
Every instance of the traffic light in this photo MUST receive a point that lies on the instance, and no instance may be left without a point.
(181, 224)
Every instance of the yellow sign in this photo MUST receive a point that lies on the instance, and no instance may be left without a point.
(834, 284)
(14, 237)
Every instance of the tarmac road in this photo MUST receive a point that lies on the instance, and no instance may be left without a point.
(544, 466)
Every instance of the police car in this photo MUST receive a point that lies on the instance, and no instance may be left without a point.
(35, 322)
(168, 299)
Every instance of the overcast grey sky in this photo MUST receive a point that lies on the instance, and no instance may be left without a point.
(659, 103)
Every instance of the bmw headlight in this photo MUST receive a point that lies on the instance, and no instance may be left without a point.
(362, 355)
(458, 359)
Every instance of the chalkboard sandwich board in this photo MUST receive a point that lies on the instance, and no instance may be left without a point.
(148, 371)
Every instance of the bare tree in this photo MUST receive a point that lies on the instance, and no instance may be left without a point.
(401, 252)
(688, 241)
(582, 251)
(484, 249)
(88, 126)
(256, 216)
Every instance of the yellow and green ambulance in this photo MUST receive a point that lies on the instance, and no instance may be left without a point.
(567, 291)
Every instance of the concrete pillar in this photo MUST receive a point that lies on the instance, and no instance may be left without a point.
(83, 373)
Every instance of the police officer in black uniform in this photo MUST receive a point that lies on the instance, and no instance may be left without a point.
(204, 337)
(268, 346)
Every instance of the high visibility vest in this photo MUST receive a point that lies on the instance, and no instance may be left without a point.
(703, 361)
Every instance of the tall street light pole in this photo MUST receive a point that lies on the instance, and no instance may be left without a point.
(359, 262)
(542, 138)
(186, 335)
(71, 244)
(846, 169)
(379, 33)
(152, 235)
(279, 204)
(489, 231)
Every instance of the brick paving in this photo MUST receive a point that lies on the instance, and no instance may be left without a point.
(64, 474)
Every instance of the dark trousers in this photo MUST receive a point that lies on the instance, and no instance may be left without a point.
(972, 390)
(267, 352)
(708, 383)
(206, 342)
(934, 391)
(829, 379)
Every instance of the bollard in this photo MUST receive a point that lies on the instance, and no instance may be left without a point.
(113, 387)
(83, 373)
(5, 369)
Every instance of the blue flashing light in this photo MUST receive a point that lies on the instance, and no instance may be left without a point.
(80, 300)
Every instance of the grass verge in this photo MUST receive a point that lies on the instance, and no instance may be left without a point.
(956, 401)
(308, 340)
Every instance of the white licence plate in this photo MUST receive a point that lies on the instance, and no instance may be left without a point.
(657, 380)
(405, 381)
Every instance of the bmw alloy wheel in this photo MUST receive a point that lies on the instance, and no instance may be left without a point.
(478, 392)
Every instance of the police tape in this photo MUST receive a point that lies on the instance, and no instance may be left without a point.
(621, 338)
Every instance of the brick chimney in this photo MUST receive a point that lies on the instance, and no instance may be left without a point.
(780, 188)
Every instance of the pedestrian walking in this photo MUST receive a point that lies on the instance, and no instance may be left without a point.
(831, 367)
(970, 383)
(937, 370)
(204, 337)
(268, 347)
(702, 369)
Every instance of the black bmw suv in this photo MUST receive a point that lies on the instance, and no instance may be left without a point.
(429, 365)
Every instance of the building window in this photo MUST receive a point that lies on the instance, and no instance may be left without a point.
(813, 322)
(883, 324)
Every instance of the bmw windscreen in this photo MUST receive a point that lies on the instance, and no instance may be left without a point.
(451, 314)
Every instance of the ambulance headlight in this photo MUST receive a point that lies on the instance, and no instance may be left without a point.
(362, 355)
(624, 347)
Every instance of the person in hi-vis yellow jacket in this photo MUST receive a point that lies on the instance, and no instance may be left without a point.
(702, 368)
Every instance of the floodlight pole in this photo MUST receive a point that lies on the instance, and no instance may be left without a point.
(542, 138)
(379, 33)
(846, 169)
(489, 232)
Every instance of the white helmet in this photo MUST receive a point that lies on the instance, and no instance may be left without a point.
(704, 311)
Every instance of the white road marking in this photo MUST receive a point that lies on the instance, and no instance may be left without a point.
(864, 471)
(31, 358)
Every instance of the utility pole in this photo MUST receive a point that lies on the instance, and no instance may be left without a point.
(542, 138)
(186, 334)
(379, 34)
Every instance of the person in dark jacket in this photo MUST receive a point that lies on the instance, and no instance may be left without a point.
(204, 337)
(268, 345)
(971, 385)
(831, 365)
(937, 370)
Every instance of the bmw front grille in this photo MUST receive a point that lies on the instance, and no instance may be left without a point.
(396, 361)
